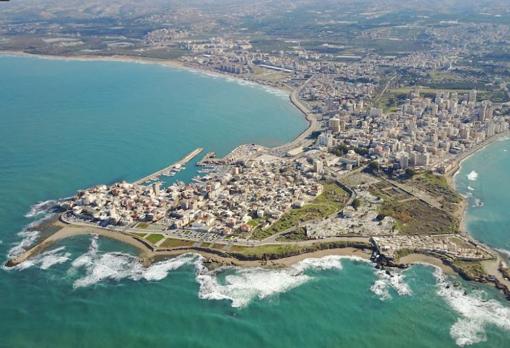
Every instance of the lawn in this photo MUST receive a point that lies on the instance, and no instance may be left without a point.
(173, 243)
(277, 251)
(271, 249)
(154, 238)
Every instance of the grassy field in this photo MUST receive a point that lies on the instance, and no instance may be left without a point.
(271, 249)
(393, 98)
(438, 187)
(173, 243)
(296, 235)
(412, 215)
(276, 251)
(469, 269)
(154, 238)
(330, 201)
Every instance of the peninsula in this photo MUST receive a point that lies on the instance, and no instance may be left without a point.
(272, 206)
(391, 112)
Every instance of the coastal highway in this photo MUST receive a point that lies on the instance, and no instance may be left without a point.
(181, 163)
(313, 124)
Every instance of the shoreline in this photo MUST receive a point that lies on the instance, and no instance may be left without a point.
(452, 174)
(494, 267)
(457, 162)
(168, 63)
(311, 121)
(148, 254)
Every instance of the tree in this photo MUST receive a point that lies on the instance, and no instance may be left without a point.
(410, 172)
(373, 166)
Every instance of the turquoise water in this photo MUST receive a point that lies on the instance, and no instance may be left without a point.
(484, 179)
(68, 125)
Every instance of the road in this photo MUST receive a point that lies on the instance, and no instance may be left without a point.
(314, 125)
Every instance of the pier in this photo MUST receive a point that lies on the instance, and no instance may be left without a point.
(182, 162)
(209, 159)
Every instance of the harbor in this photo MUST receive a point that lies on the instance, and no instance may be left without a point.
(171, 168)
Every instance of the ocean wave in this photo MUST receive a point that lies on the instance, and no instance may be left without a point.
(386, 281)
(478, 203)
(28, 239)
(46, 259)
(472, 176)
(467, 195)
(239, 81)
(238, 285)
(29, 236)
(476, 312)
(41, 207)
(470, 188)
(242, 285)
(117, 266)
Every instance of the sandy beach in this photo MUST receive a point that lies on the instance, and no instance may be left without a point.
(146, 252)
(413, 259)
(148, 255)
(170, 63)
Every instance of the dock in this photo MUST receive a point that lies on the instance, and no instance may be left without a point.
(181, 163)
(209, 159)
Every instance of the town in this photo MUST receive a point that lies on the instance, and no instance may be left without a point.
(392, 106)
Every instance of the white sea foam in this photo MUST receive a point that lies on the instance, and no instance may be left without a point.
(478, 203)
(470, 188)
(40, 208)
(29, 236)
(472, 176)
(242, 285)
(117, 266)
(386, 281)
(467, 194)
(476, 313)
(46, 259)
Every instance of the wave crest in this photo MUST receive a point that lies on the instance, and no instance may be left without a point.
(45, 260)
(386, 281)
(29, 236)
(117, 266)
(41, 208)
(472, 176)
(476, 313)
(243, 285)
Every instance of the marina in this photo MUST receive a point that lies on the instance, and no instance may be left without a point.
(171, 169)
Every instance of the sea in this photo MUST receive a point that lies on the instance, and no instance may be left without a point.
(66, 125)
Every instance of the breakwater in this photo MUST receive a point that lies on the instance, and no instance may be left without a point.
(174, 166)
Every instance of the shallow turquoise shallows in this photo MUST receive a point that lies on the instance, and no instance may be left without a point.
(66, 125)
(485, 180)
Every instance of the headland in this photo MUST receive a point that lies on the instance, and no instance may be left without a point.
(273, 207)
